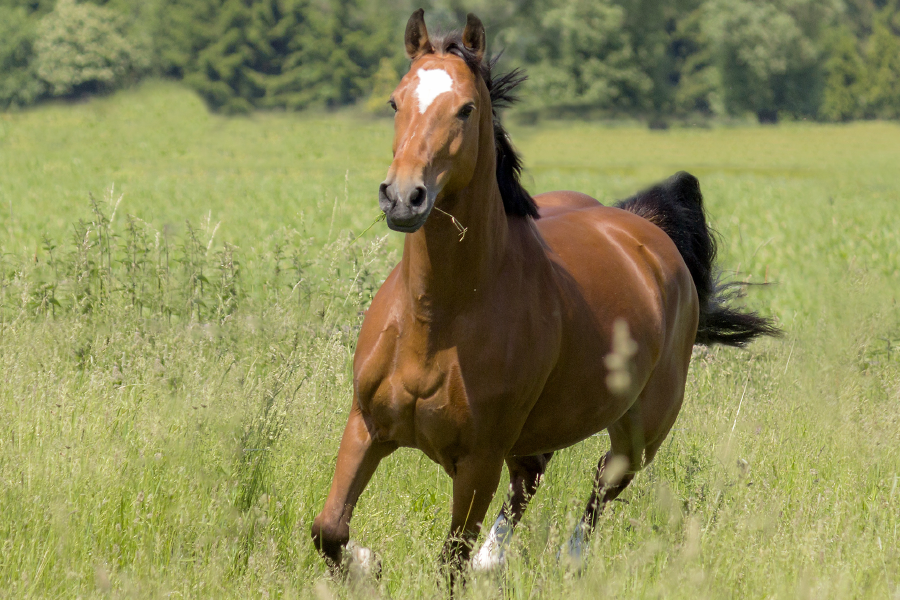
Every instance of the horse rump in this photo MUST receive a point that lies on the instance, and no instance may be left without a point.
(676, 207)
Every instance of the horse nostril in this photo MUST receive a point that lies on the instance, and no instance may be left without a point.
(382, 190)
(418, 196)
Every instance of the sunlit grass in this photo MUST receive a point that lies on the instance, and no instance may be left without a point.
(166, 436)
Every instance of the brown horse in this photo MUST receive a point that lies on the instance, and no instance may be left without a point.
(551, 319)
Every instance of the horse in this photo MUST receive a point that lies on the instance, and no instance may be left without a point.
(548, 319)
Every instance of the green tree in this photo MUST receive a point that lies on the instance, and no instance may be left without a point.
(498, 17)
(698, 86)
(662, 45)
(884, 72)
(19, 83)
(581, 58)
(36, 8)
(845, 82)
(343, 49)
(384, 82)
(858, 17)
(221, 70)
(279, 53)
(85, 48)
(768, 56)
(181, 30)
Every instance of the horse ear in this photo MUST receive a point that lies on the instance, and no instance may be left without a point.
(473, 36)
(417, 42)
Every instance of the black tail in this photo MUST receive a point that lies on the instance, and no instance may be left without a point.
(676, 207)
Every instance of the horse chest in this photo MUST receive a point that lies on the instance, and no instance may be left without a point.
(415, 400)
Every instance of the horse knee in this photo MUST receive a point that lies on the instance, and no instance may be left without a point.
(614, 473)
(330, 537)
(526, 471)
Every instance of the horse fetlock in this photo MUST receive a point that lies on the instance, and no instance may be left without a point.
(330, 539)
(492, 554)
(573, 553)
(489, 558)
(455, 553)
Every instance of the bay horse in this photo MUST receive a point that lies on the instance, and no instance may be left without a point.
(550, 319)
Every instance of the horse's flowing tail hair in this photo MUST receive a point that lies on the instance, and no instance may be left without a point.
(676, 207)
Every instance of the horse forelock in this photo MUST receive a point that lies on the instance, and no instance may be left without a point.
(516, 199)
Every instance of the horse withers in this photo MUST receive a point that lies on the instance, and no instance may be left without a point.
(551, 319)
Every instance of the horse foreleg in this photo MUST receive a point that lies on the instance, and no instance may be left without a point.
(474, 484)
(357, 460)
(525, 474)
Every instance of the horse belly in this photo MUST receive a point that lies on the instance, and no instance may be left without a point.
(574, 405)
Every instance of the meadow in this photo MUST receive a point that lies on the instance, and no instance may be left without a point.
(180, 294)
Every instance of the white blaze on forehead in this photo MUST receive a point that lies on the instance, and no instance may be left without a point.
(432, 83)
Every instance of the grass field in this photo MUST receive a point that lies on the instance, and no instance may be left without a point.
(174, 363)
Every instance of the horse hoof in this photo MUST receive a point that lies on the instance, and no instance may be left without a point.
(572, 555)
(361, 563)
(572, 561)
(488, 559)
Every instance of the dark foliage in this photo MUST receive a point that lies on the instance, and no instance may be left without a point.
(662, 62)
(244, 55)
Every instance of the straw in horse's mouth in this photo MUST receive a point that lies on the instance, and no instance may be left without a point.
(459, 226)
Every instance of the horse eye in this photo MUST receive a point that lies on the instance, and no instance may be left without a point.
(393, 104)
(465, 111)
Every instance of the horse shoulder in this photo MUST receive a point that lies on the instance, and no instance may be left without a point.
(396, 377)
(377, 341)
(515, 336)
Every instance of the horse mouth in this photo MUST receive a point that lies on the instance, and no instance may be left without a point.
(406, 213)
(410, 225)
(407, 218)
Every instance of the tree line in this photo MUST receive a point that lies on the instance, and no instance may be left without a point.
(831, 60)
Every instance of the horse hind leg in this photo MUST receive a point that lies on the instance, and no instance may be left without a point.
(525, 474)
(635, 439)
(615, 471)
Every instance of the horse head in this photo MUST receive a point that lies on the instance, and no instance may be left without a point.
(443, 116)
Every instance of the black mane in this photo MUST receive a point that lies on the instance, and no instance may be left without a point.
(516, 199)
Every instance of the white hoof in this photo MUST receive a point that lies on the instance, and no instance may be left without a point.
(361, 562)
(490, 557)
(573, 553)
(493, 553)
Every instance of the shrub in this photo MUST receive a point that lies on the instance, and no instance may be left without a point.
(84, 48)
(19, 85)
(884, 72)
(845, 80)
(286, 54)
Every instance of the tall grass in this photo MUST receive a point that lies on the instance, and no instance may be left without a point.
(145, 400)
(175, 373)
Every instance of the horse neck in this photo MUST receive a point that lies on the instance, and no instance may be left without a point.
(444, 273)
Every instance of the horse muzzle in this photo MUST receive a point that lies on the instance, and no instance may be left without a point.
(406, 208)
